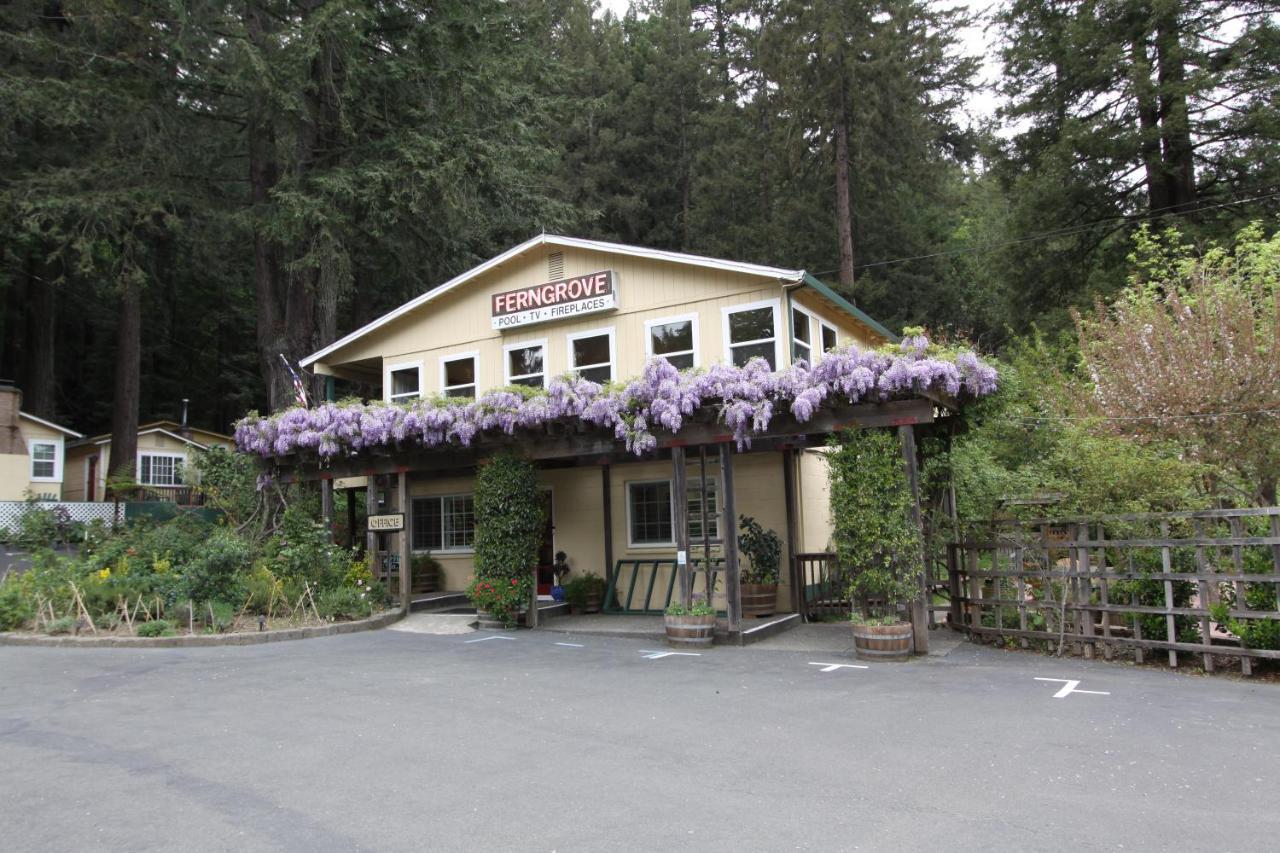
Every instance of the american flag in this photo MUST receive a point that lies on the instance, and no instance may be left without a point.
(298, 388)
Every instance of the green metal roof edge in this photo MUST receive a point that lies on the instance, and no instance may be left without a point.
(826, 291)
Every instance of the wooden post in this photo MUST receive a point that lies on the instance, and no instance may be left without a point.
(371, 536)
(919, 621)
(606, 486)
(1166, 566)
(706, 527)
(1084, 591)
(680, 518)
(406, 556)
(789, 497)
(351, 518)
(326, 506)
(1202, 590)
(732, 577)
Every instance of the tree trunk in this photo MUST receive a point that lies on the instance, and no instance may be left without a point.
(39, 391)
(1149, 128)
(124, 413)
(844, 205)
(1175, 124)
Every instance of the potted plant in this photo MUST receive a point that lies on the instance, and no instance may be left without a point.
(689, 627)
(426, 573)
(763, 550)
(498, 601)
(559, 569)
(876, 540)
(585, 594)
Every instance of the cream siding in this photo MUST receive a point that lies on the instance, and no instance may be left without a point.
(15, 468)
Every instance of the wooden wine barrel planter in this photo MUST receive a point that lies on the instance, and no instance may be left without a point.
(425, 580)
(486, 621)
(759, 599)
(594, 599)
(690, 631)
(883, 642)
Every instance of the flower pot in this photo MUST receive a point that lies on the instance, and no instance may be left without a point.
(690, 631)
(759, 599)
(486, 621)
(883, 642)
(594, 599)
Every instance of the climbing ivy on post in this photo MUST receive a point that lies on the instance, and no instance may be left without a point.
(876, 540)
(510, 519)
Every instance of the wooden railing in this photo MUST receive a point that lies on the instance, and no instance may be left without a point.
(648, 586)
(1136, 582)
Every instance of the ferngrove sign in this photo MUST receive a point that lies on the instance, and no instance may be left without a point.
(555, 300)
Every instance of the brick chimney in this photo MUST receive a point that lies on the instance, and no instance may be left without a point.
(10, 432)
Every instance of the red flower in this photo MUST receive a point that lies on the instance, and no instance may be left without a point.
(513, 581)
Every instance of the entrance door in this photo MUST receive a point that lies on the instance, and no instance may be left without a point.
(547, 550)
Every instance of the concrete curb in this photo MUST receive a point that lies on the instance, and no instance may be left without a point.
(254, 638)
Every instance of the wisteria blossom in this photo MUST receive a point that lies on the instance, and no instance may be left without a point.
(662, 398)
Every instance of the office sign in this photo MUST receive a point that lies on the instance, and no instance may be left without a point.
(384, 523)
(555, 300)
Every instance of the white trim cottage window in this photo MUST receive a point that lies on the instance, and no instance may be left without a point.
(160, 469)
(444, 523)
(458, 374)
(651, 516)
(751, 331)
(830, 340)
(526, 363)
(803, 325)
(404, 382)
(592, 354)
(46, 460)
(673, 338)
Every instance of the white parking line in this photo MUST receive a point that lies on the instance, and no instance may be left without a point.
(495, 637)
(832, 667)
(650, 654)
(572, 645)
(1069, 687)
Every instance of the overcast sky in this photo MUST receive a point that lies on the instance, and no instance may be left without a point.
(978, 41)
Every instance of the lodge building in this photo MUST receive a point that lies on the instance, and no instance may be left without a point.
(556, 304)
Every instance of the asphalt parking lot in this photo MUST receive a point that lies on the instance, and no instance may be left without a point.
(398, 741)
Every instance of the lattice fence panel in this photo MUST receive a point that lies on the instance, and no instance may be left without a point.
(83, 511)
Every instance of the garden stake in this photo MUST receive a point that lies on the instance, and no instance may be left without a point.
(75, 594)
(191, 616)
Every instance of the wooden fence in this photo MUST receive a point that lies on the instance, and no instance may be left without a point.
(1137, 582)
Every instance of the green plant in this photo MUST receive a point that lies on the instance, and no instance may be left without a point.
(213, 574)
(345, 602)
(763, 549)
(38, 527)
(501, 597)
(876, 540)
(16, 606)
(578, 590)
(510, 519)
(218, 615)
(156, 628)
(700, 607)
(859, 618)
(62, 625)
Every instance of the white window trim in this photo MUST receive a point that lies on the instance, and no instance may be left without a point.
(776, 305)
(474, 355)
(469, 549)
(815, 329)
(167, 455)
(648, 335)
(594, 333)
(632, 545)
(823, 324)
(393, 368)
(508, 379)
(640, 546)
(57, 459)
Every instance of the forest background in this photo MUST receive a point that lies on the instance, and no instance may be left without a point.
(190, 189)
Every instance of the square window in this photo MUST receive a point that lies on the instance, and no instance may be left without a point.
(444, 523)
(674, 341)
(459, 379)
(649, 508)
(829, 340)
(592, 356)
(801, 337)
(156, 469)
(751, 332)
(406, 383)
(525, 365)
(44, 460)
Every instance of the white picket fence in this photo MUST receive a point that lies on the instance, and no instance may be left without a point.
(84, 511)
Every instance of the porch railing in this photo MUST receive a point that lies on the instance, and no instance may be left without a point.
(1137, 582)
(634, 583)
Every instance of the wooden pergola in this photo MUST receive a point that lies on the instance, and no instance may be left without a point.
(578, 445)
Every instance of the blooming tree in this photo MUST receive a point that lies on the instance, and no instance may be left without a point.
(1189, 354)
(744, 398)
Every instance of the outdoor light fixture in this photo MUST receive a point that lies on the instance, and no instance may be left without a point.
(262, 622)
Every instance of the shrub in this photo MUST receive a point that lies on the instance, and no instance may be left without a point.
(213, 572)
(16, 606)
(345, 602)
(699, 608)
(218, 615)
(156, 628)
(762, 547)
(501, 597)
(39, 527)
(63, 625)
(578, 590)
(260, 586)
(302, 552)
(510, 519)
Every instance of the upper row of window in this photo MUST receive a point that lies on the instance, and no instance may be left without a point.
(750, 331)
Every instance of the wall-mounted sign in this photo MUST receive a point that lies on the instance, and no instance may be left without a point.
(555, 300)
(392, 521)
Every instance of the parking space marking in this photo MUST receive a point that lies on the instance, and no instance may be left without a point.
(494, 637)
(572, 645)
(1069, 686)
(650, 654)
(832, 667)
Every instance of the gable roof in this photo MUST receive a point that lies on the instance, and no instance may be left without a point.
(567, 242)
(830, 294)
(169, 428)
(51, 425)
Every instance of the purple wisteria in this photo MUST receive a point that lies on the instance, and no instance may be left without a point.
(745, 399)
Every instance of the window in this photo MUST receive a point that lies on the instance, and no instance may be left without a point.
(444, 523)
(801, 337)
(650, 520)
(526, 363)
(158, 469)
(591, 355)
(404, 382)
(751, 331)
(675, 339)
(44, 461)
(829, 339)
(458, 375)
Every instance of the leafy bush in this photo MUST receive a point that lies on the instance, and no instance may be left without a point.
(578, 590)
(501, 597)
(345, 602)
(510, 518)
(218, 615)
(16, 607)
(213, 572)
(156, 628)
(63, 625)
(699, 608)
(41, 528)
(762, 547)
(302, 552)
